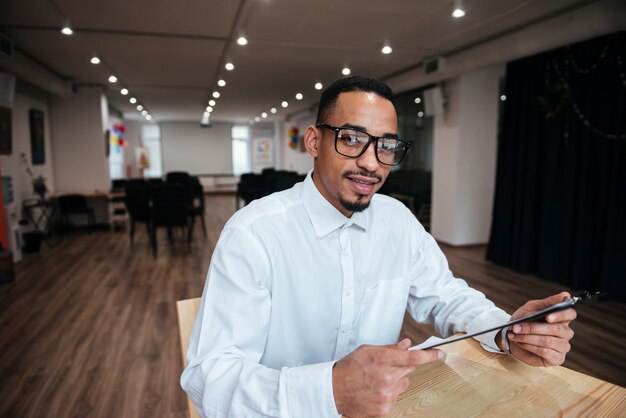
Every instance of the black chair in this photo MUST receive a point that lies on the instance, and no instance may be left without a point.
(137, 201)
(170, 209)
(75, 204)
(117, 207)
(197, 206)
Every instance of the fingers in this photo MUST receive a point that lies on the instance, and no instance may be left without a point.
(559, 345)
(561, 330)
(548, 356)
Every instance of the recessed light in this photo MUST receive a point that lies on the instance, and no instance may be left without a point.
(459, 10)
(221, 83)
(124, 92)
(144, 112)
(264, 115)
(149, 117)
(112, 79)
(318, 86)
(229, 66)
(273, 110)
(242, 41)
(299, 96)
(216, 94)
(95, 60)
(418, 100)
(346, 71)
(284, 103)
(503, 97)
(66, 29)
(139, 107)
(132, 100)
(209, 109)
(420, 114)
(386, 49)
(256, 118)
(211, 102)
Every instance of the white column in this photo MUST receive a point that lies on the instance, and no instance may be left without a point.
(464, 158)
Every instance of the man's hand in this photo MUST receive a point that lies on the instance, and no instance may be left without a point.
(542, 343)
(367, 382)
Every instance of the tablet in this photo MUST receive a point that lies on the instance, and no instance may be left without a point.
(567, 303)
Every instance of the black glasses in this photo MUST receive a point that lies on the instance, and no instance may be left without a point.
(352, 142)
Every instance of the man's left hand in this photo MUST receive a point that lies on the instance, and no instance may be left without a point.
(542, 343)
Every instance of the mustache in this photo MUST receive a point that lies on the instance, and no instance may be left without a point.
(347, 174)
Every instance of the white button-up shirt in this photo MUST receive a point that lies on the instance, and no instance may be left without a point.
(294, 285)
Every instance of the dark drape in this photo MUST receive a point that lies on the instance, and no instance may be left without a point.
(560, 199)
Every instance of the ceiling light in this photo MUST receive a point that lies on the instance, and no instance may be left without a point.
(216, 94)
(95, 60)
(420, 114)
(458, 10)
(211, 102)
(346, 71)
(299, 96)
(418, 100)
(221, 83)
(318, 86)
(264, 115)
(273, 110)
(144, 112)
(139, 107)
(66, 29)
(256, 118)
(229, 66)
(132, 100)
(503, 97)
(284, 103)
(242, 41)
(124, 92)
(386, 49)
(112, 79)
(149, 117)
(209, 109)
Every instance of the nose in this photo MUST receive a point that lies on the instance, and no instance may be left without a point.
(368, 160)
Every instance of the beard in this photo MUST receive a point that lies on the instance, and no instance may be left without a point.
(362, 202)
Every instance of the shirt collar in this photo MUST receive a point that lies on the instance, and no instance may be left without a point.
(324, 217)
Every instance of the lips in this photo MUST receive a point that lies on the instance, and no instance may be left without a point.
(363, 185)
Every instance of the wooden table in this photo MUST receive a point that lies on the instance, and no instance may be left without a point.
(473, 382)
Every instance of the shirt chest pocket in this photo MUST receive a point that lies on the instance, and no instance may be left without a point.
(381, 312)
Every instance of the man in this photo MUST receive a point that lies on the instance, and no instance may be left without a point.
(307, 288)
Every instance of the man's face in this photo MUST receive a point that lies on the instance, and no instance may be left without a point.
(349, 183)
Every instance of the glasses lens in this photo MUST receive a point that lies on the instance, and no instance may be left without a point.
(391, 151)
(350, 142)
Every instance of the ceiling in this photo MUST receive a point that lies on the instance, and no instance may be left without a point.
(170, 54)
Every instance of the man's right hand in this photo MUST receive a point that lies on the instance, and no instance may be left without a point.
(367, 382)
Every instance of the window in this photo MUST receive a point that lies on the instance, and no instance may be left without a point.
(241, 149)
(151, 139)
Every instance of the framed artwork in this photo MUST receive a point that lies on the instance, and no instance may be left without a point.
(37, 145)
(5, 130)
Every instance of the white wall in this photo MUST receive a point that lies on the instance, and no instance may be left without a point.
(26, 98)
(78, 144)
(295, 160)
(464, 160)
(189, 147)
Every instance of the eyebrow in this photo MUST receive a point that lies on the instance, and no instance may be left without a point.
(361, 128)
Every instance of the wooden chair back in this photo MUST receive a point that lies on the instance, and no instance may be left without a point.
(187, 310)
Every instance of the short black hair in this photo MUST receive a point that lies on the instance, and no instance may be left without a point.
(347, 84)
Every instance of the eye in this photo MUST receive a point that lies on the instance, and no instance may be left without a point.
(352, 138)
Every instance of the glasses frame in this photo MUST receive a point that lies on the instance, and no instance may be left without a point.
(372, 138)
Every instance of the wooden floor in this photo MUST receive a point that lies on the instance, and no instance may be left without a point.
(88, 329)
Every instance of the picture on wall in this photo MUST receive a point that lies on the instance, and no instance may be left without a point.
(37, 145)
(5, 130)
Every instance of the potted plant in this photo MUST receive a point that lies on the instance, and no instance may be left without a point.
(39, 187)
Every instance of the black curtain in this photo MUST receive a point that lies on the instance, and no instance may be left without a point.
(560, 199)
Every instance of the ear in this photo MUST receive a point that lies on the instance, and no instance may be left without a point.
(312, 140)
